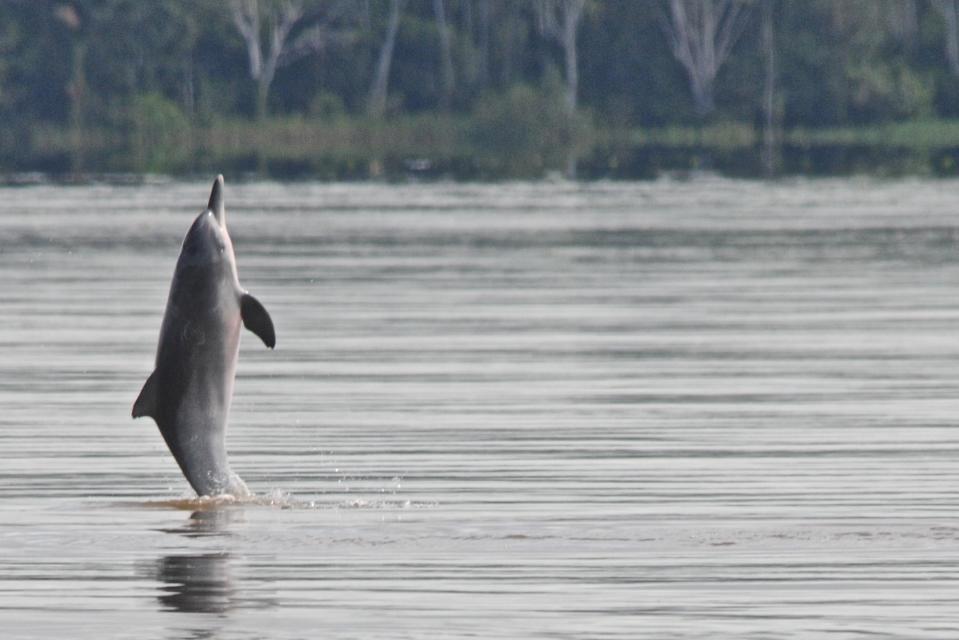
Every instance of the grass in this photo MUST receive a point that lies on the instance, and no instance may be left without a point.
(346, 146)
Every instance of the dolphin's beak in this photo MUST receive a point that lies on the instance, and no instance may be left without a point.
(216, 201)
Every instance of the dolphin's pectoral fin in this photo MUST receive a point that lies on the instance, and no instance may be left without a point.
(146, 402)
(257, 320)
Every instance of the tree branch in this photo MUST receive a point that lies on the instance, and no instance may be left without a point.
(702, 34)
(246, 18)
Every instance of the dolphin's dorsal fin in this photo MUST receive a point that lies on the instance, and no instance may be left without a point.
(146, 402)
(257, 320)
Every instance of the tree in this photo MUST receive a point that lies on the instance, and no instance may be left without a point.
(903, 17)
(702, 34)
(949, 9)
(69, 16)
(483, 45)
(282, 18)
(376, 106)
(558, 19)
(139, 48)
(769, 89)
(446, 53)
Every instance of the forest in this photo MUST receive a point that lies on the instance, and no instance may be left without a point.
(479, 89)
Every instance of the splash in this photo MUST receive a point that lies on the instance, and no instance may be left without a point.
(201, 503)
(279, 499)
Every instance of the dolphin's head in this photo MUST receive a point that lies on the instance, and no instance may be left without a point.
(208, 243)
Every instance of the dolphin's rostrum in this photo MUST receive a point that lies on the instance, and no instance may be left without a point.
(189, 392)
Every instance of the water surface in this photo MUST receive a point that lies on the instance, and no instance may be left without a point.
(674, 410)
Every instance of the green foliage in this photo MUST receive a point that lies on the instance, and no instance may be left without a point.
(327, 106)
(890, 92)
(148, 86)
(160, 134)
(524, 132)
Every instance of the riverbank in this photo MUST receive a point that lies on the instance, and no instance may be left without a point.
(519, 142)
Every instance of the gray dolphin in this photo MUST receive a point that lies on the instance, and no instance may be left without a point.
(189, 392)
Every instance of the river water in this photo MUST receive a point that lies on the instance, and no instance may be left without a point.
(705, 409)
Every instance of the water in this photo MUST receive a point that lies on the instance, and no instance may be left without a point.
(673, 410)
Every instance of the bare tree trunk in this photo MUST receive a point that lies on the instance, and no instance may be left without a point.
(559, 19)
(484, 26)
(246, 18)
(446, 54)
(573, 12)
(702, 34)
(570, 22)
(769, 90)
(950, 14)
(366, 15)
(78, 89)
(467, 16)
(189, 87)
(281, 49)
(903, 17)
(77, 86)
(380, 87)
(261, 108)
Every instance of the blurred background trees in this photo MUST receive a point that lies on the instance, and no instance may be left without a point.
(172, 86)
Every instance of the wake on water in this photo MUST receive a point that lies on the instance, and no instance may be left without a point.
(275, 499)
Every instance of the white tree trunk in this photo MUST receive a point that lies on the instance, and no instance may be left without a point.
(446, 53)
(281, 49)
(950, 15)
(769, 90)
(559, 19)
(380, 87)
(484, 27)
(702, 34)
(903, 17)
(572, 14)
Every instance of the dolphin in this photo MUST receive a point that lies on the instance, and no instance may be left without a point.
(189, 392)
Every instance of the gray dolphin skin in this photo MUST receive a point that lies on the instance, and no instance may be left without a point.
(190, 390)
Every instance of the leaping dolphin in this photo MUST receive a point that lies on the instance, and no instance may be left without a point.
(189, 392)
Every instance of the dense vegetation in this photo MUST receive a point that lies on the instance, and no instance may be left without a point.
(477, 88)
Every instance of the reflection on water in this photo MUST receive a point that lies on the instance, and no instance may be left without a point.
(196, 583)
(204, 582)
(199, 582)
(209, 522)
(710, 409)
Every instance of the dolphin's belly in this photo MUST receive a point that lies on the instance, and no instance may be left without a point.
(196, 376)
(195, 371)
